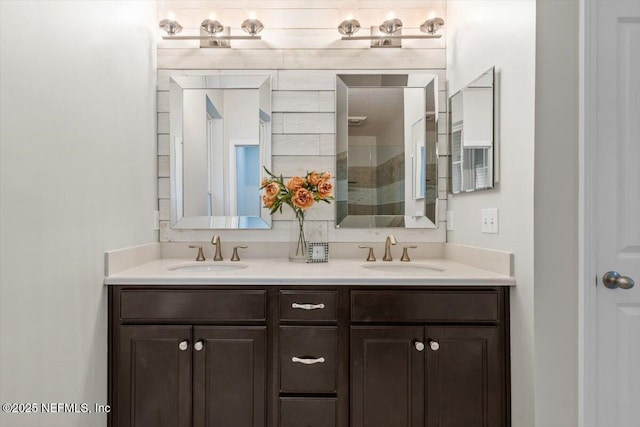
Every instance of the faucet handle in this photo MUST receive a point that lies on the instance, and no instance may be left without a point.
(200, 256)
(405, 253)
(235, 256)
(371, 257)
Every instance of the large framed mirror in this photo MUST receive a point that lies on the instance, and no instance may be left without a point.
(472, 138)
(386, 150)
(220, 137)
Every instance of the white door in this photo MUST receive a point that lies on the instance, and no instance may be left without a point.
(617, 212)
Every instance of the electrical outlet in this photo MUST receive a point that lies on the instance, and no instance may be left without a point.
(489, 221)
(156, 220)
(450, 220)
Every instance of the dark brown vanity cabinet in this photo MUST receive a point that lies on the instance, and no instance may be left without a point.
(308, 356)
(313, 358)
(153, 377)
(203, 368)
(429, 358)
(387, 377)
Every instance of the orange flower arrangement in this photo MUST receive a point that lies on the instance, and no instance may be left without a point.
(295, 183)
(302, 198)
(325, 189)
(300, 193)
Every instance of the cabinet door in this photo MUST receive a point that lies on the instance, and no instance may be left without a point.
(387, 377)
(153, 386)
(229, 381)
(466, 384)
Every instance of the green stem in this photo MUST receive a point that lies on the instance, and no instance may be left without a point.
(301, 248)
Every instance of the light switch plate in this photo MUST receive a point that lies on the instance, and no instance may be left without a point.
(450, 220)
(489, 221)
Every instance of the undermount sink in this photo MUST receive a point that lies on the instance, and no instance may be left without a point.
(208, 267)
(404, 268)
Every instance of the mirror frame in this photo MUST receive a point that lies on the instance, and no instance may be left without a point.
(494, 175)
(177, 84)
(392, 80)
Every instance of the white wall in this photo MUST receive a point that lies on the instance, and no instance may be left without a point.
(502, 33)
(556, 214)
(77, 165)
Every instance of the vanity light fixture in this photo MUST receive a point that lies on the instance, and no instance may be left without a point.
(349, 26)
(432, 25)
(212, 26)
(212, 32)
(170, 25)
(391, 25)
(389, 33)
(252, 25)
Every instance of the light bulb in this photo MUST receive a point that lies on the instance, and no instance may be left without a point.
(391, 15)
(252, 14)
(171, 16)
(349, 17)
(431, 15)
(212, 16)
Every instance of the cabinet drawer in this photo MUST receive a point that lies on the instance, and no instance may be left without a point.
(308, 305)
(193, 305)
(425, 306)
(297, 412)
(308, 357)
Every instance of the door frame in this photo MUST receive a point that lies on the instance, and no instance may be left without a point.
(587, 321)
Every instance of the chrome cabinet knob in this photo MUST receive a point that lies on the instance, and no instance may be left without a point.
(183, 345)
(434, 345)
(614, 280)
(199, 345)
(419, 345)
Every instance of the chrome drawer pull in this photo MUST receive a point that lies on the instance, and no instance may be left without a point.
(307, 306)
(307, 361)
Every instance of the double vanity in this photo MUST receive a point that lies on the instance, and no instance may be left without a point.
(349, 343)
(266, 342)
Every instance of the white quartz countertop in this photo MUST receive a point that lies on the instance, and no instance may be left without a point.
(335, 272)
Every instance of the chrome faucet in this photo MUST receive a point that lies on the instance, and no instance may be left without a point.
(215, 241)
(387, 247)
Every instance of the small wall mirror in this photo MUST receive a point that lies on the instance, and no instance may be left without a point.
(220, 134)
(386, 149)
(472, 140)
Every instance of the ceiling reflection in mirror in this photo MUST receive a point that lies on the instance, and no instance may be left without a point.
(386, 147)
(220, 137)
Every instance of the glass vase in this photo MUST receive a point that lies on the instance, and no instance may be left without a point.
(298, 244)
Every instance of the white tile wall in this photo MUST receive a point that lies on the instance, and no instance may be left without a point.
(302, 52)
